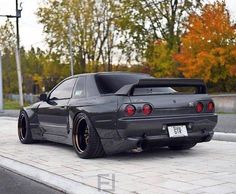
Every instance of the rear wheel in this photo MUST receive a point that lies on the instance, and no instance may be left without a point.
(86, 141)
(183, 146)
(24, 132)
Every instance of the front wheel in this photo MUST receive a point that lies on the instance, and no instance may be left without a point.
(86, 141)
(24, 132)
(183, 146)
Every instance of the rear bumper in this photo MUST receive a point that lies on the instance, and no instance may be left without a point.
(153, 126)
(153, 130)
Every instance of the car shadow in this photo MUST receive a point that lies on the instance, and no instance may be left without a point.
(155, 152)
(44, 143)
(159, 152)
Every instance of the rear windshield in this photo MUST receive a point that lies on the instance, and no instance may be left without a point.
(108, 84)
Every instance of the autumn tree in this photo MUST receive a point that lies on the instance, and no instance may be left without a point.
(42, 70)
(7, 36)
(208, 48)
(159, 60)
(39, 68)
(144, 22)
(7, 45)
(91, 25)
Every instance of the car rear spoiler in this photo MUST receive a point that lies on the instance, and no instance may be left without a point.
(174, 82)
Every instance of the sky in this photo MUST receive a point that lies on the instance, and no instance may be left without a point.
(31, 32)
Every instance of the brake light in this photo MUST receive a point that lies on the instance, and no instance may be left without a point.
(210, 107)
(199, 107)
(147, 109)
(130, 110)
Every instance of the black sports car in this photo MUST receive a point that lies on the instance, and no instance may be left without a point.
(106, 113)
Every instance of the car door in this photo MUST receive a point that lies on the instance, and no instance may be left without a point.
(53, 114)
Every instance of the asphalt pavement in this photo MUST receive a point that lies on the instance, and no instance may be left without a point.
(12, 183)
(226, 123)
(9, 113)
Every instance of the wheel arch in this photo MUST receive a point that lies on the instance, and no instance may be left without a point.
(25, 112)
(87, 120)
(74, 120)
(94, 148)
(31, 114)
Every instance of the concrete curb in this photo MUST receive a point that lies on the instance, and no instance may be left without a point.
(52, 180)
(231, 137)
(9, 113)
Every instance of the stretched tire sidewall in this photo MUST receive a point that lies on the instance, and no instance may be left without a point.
(28, 136)
(93, 141)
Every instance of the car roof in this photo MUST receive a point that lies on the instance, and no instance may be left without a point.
(108, 73)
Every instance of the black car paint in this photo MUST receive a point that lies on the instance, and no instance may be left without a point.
(53, 120)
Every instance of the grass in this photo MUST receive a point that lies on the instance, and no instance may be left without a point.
(226, 112)
(12, 104)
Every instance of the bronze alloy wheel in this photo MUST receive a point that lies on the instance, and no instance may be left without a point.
(82, 136)
(85, 139)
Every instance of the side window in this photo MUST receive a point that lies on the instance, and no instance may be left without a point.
(91, 86)
(80, 91)
(64, 90)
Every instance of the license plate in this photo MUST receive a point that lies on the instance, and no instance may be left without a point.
(177, 131)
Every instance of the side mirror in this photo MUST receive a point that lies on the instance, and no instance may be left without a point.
(43, 97)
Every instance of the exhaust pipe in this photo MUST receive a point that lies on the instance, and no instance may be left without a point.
(142, 144)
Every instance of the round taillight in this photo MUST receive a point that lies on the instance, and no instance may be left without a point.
(199, 107)
(210, 106)
(147, 109)
(130, 110)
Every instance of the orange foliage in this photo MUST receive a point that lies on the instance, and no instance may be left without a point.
(208, 49)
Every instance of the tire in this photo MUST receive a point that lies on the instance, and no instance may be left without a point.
(24, 132)
(86, 141)
(184, 146)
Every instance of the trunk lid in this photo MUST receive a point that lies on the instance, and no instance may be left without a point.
(172, 104)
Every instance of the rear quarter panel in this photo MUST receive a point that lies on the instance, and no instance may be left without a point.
(102, 112)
